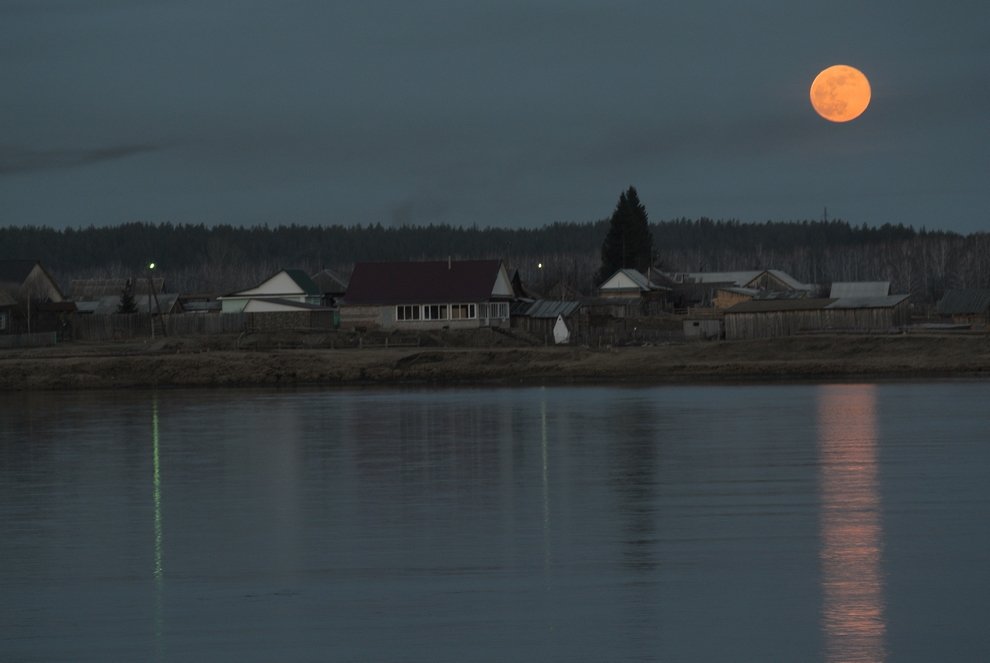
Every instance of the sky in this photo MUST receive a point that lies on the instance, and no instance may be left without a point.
(509, 113)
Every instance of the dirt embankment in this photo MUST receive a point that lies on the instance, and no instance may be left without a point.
(276, 362)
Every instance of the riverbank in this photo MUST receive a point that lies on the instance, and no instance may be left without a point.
(211, 362)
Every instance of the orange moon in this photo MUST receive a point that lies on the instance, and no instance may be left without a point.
(840, 93)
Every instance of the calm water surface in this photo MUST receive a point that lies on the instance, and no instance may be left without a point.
(735, 523)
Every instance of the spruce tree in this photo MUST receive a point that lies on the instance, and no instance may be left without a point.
(127, 304)
(629, 242)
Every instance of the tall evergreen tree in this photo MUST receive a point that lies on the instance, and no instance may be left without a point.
(127, 303)
(629, 242)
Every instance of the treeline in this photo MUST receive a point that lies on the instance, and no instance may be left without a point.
(222, 258)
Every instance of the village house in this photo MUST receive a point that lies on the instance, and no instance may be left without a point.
(722, 290)
(455, 294)
(30, 299)
(639, 293)
(285, 290)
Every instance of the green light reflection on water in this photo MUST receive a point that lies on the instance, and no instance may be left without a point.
(158, 568)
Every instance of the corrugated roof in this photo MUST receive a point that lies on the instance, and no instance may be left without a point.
(739, 278)
(888, 301)
(789, 280)
(860, 289)
(965, 301)
(374, 283)
(637, 277)
(548, 308)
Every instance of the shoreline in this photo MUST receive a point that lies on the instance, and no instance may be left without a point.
(190, 362)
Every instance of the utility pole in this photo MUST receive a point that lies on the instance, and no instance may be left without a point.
(158, 306)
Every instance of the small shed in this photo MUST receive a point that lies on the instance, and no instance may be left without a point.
(966, 306)
(540, 317)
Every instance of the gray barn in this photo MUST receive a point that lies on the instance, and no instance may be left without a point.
(767, 319)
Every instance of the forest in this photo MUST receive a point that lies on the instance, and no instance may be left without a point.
(223, 258)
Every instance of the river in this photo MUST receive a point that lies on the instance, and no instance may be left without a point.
(799, 522)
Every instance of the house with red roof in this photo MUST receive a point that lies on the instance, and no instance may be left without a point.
(457, 294)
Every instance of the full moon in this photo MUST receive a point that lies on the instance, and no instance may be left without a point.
(840, 93)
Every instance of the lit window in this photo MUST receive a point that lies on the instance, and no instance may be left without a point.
(463, 312)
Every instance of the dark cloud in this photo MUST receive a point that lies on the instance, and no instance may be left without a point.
(17, 160)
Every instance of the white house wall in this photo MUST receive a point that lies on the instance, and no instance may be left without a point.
(620, 281)
(503, 284)
(232, 305)
(280, 285)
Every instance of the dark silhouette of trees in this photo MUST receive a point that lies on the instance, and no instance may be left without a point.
(223, 258)
(629, 242)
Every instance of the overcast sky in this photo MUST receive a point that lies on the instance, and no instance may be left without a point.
(502, 113)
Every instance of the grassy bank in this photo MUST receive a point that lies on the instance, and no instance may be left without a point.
(218, 362)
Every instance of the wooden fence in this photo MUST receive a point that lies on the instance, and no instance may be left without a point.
(143, 325)
(38, 340)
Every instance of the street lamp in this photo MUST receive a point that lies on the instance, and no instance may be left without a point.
(158, 306)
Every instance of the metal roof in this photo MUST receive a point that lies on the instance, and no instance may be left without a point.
(814, 304)
(860, 289)
(780, 294)
(967, 301)
(642, 281)
(740, 278)
(888, 301)
(305, 283)
(547, 308)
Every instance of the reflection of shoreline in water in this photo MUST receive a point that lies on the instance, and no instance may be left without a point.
(853, 610)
